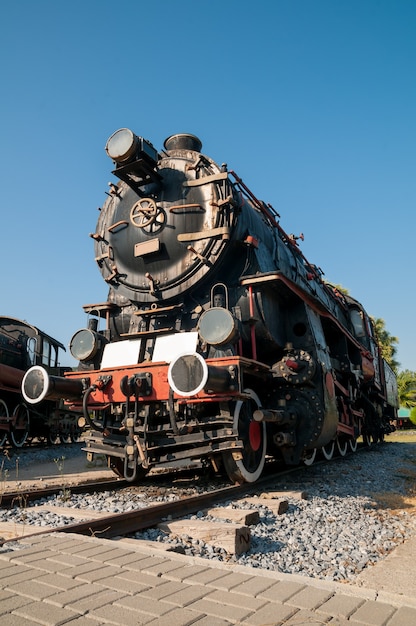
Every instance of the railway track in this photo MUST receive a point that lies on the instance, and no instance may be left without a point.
(168, 516)
(230, 530)
(108, 525)
(105, 525)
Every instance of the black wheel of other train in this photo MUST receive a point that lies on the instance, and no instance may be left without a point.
(249, 467)
(53, 437)
(4, 417)
(65, 437)
(19, 427)
(75, 436)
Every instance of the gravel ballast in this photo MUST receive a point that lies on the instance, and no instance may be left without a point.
(341, 528)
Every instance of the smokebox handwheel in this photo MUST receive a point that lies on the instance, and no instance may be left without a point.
(143, 212)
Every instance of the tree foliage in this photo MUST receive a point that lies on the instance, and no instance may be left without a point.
(406, 383)
(387, 342)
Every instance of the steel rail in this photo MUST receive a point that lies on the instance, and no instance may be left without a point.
(7, 498)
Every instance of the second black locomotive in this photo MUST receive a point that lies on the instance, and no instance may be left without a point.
(23, 345)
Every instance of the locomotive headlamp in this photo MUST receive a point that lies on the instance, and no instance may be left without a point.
(189, 374)
(85, 344)
(218, 326)
(38, 385)
(124, 146)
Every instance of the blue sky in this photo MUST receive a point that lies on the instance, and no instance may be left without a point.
(311, 102)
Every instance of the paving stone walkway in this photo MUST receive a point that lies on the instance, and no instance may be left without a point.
(85, 581)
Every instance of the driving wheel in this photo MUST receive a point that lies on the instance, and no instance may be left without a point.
(246, 466)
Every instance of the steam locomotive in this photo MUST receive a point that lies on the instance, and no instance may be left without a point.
(21, 346)
(219, 342)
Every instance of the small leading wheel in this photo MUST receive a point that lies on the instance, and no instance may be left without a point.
(342, 445)
(309, 457)
(252, 434)
(19, 427)
(4, 418)
(328, 450)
